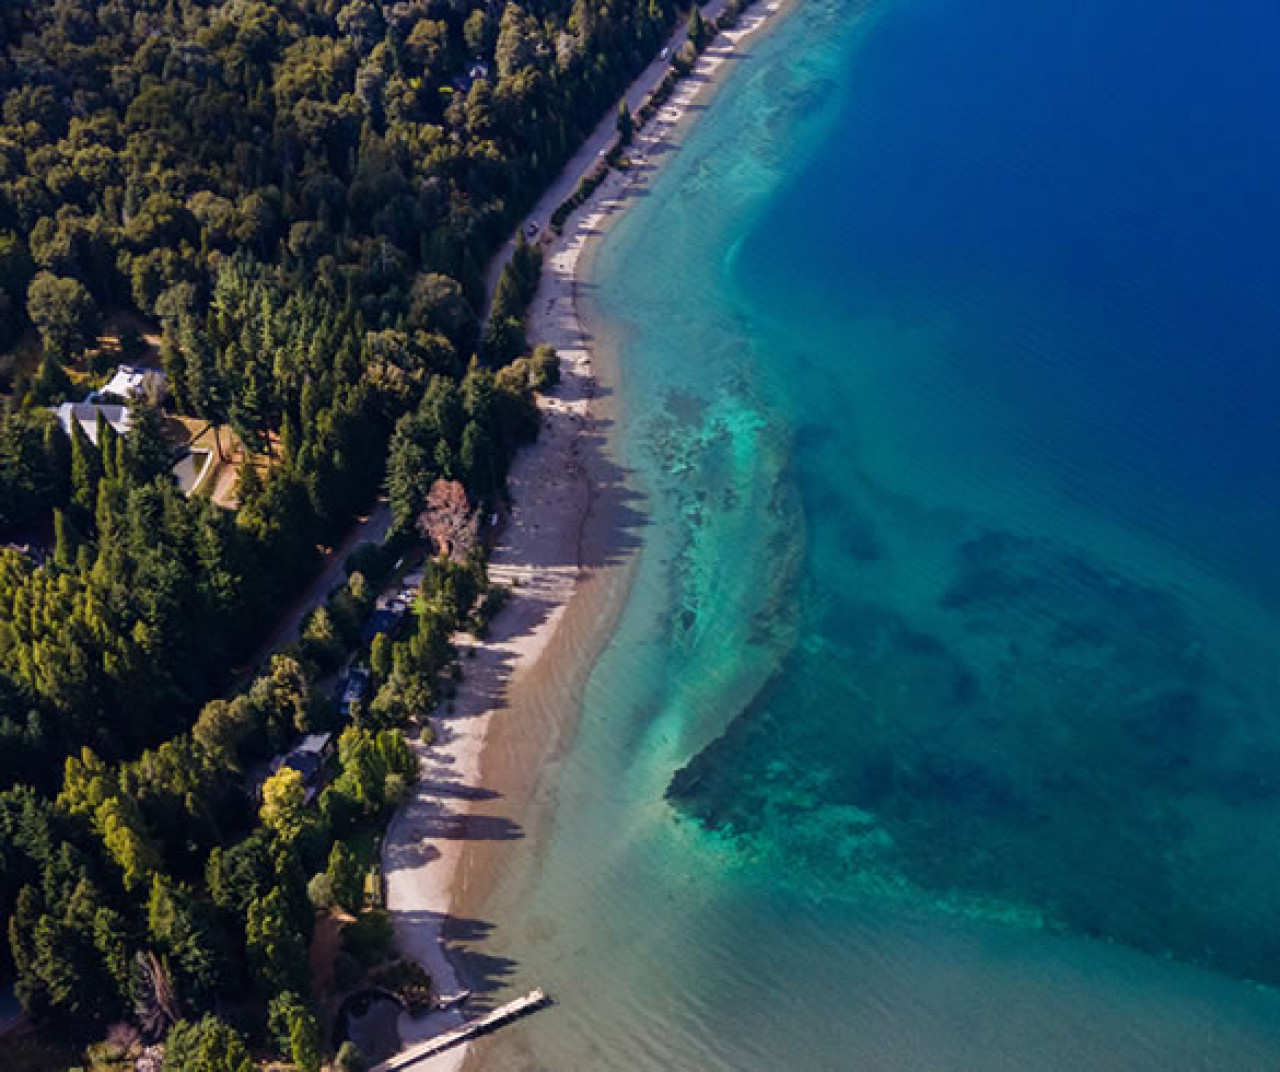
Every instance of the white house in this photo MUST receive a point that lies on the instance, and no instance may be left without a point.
(134, 381)
(87, 414)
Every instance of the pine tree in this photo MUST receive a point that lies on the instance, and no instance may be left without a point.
(248, 483)
(347, 877)
(64, 540)
(304, 1042)
(57, 453)
(697, 29)
(146, 454)
(380, 658)
(277, 952)
(108, 444)
(86, 470)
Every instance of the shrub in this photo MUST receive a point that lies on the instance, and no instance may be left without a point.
(395, 789)
(320, 891)
(685, 58)
(368, 939)
(546, 368)
(207, 1045)
(350, 1059)
(408, 981)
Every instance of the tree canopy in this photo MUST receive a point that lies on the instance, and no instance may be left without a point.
(299, 199)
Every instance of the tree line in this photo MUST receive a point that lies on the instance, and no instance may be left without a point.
(301, 198)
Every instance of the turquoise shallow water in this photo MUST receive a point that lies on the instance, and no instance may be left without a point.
(942, 727)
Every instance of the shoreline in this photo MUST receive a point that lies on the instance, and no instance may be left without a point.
(568, 547)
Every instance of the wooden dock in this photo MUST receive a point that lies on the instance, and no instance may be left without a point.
(406, 1059)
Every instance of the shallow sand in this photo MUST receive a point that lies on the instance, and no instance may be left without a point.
(567, 547)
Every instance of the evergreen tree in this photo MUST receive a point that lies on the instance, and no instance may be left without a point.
(277, 951)
(176, 928)
(626, 126)
(208, 1045)
(146, 453)
(64, 540)
(86, 470)
(697, 29)
(347, 877)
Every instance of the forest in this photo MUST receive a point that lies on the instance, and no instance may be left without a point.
(288, 208)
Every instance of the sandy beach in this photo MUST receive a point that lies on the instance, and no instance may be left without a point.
(567, 550)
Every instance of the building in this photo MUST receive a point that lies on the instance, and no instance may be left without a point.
(356, 689)
(134, 381)
(87, 415)
(388, 613)
(307, 758)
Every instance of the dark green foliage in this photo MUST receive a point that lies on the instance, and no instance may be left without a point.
(34, 465)
(546, 368)
(305, 1047)
(368, 939)
(146, 454)
(347, 877)
(504, 338)
(325, 137)
(277, 952)
(465, 434)
(350, 1059)
(408, 981)
(368, 759)
(699, 33)
(237, 876)
(64, 313)
(300, 199)
(68, 947)
(207, 1045)
(371, 561)
(145, 618)
(178, 929)
(295, 1031)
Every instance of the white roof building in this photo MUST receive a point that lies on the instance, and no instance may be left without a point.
(87, 414)
(134, 381)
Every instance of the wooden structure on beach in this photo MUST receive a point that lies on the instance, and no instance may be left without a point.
(420, 1051)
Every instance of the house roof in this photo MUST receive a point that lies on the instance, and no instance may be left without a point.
(131, 381)
(313, 742)
(357, 683)
(87, 413)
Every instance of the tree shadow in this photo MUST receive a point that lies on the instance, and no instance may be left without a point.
(485, 974)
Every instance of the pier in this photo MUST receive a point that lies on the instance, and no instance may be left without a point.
(420, 1051)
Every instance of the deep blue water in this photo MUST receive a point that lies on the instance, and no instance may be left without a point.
(942, 727)
(1086, 202)
(1022, 320)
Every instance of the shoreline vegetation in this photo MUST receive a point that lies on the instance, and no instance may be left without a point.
(273, 221)
(192, 816)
